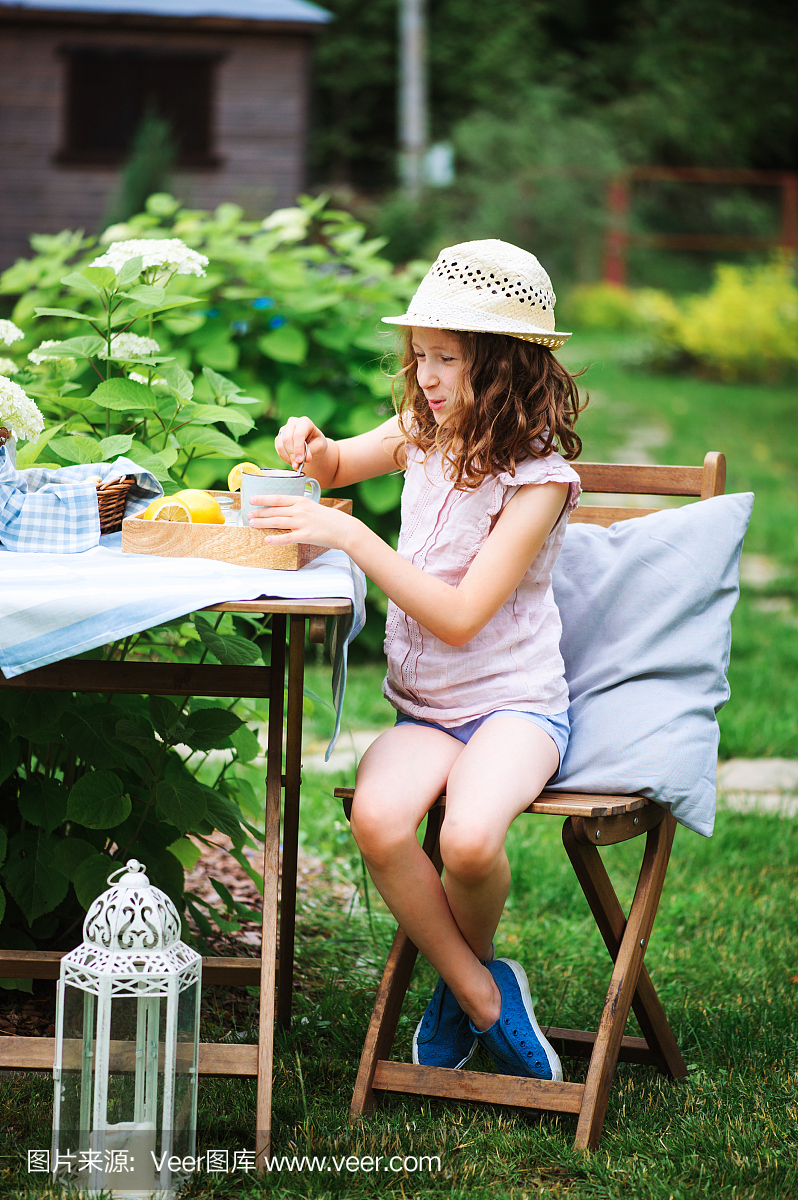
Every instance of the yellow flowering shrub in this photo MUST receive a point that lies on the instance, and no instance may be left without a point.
(746, 325)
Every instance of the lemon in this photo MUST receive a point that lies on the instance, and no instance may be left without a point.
(188, 505)
(172, 510)
(203, 509)
(234, 478)
(152, 507)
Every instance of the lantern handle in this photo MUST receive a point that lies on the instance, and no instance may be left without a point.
(131, 875)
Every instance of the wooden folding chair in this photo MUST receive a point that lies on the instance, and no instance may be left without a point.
(590, 821)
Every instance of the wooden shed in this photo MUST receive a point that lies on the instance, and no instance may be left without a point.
(77, 76)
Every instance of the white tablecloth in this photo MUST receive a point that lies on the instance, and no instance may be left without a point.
(53, 606)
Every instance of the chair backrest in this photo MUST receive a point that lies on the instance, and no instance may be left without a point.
(644, 480)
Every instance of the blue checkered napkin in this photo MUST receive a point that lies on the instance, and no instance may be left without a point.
(56, 512)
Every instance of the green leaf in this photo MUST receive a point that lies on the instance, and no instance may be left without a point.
(77, 347)
(208, 439)
(287, 344)
(179, 381)
(77, 281)
(218, 352)
(28, 454)
(91, 878)
(129, 271)
(296, 401)
(223, 814)
(382, 494)
(43, 802)
(124, 395)
(119, 443)
(3, 844)
(229, 648)
(68, 312)
(150, 297)
(245, 744)
(90, 732)
(34, 715)
(378, 383)
(363, 419)
(311, 300)
(101, 277)
(164, 715)
(9, 757)
(219, 384)
(97, 801)
(77, 449)
(137, 733)
(157, 464)
(70, 853)
(31, 875)
(209, 728)
(210, 414)
(182, 802)
(186, 852)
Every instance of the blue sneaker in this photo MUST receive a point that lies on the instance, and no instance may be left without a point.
(515, 1042)
(443, 1037)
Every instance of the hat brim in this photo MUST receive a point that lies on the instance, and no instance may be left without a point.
(469, 320)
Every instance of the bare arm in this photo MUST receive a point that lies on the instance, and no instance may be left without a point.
(340, 464)
(453, 614)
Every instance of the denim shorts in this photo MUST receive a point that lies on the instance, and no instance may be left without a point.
(557, 727)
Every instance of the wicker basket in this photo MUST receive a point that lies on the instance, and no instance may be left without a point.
(112, 498)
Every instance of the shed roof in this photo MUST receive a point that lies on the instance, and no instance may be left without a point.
(295, 11)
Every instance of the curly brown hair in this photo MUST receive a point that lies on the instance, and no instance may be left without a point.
(515, 401)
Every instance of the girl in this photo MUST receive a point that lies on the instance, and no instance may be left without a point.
(474, 668)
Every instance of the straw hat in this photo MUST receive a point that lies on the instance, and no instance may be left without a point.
(486, 287)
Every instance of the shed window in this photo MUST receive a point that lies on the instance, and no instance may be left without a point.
(110, 91)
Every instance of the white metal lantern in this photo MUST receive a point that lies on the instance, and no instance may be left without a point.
(127, 1039)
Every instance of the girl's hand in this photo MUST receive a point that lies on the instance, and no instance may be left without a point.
(307, 521)
(291, 439)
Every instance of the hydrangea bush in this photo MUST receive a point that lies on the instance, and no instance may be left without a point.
(182, 341)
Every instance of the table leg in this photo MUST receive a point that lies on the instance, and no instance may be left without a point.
(293, 767)
(271, 868)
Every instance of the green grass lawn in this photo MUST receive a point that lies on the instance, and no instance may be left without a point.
(723, 957)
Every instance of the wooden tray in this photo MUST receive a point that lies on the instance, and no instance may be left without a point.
(224, 543)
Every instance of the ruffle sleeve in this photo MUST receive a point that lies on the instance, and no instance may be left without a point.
(552, 469)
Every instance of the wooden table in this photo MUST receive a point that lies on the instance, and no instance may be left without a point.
(186, 679)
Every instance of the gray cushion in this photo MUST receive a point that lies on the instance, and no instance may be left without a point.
(645, 608)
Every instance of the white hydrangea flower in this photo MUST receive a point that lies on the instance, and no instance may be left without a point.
(8, 366)
(130, 345)
(170, 254)
(156, 379)
(9, 332)
(56, 360)
(18, 412)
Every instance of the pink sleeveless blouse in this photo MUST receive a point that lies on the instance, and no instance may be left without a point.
(514, 661)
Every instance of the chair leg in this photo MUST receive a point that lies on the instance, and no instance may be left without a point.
(626, 973)
(600, 895)
(390, 994)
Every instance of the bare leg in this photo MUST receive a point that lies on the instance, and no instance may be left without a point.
(399, 778)
(503, 768)
(488, 783)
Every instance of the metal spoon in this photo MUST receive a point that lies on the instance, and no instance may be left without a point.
(299, 470)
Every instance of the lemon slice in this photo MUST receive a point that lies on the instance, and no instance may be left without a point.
(172, 510)
(234, 478)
